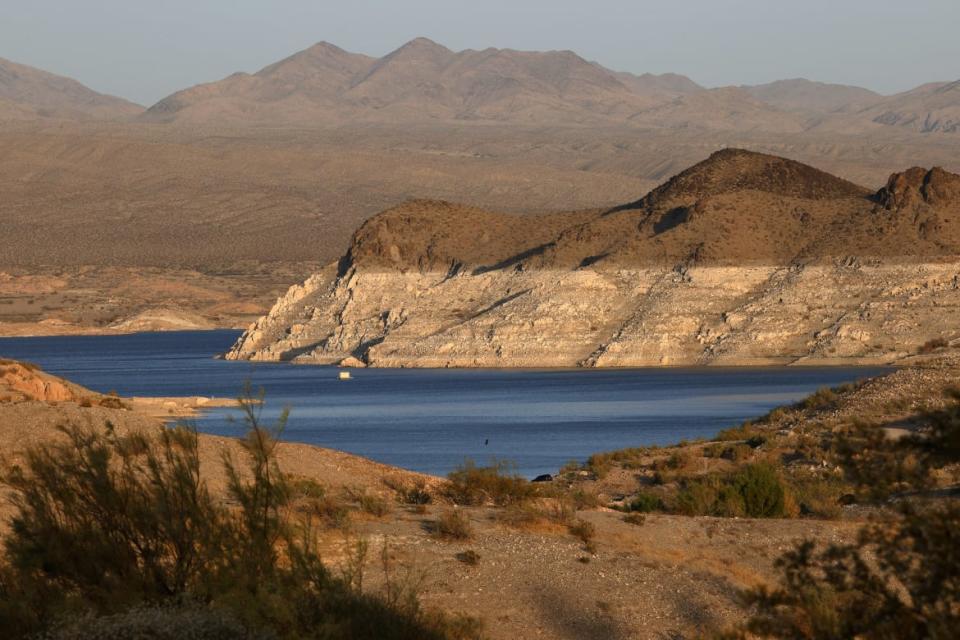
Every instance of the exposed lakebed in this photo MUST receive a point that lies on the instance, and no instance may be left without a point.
(431, 420)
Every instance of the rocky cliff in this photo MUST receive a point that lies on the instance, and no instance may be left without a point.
(742, 259)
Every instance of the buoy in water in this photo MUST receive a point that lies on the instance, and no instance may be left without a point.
(344, 375)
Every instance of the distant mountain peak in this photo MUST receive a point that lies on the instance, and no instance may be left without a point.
(44, 94)
(420, 46)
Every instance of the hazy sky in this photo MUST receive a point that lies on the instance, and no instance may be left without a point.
(145, 49)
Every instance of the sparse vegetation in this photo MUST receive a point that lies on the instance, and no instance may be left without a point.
(585, 532)
(644, 502)
(932, 345)
(498, 484)
(410, 493)
(755, 491)
(108, 523)
(453, 524)
(900, 579)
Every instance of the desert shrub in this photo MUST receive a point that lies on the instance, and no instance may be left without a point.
(932, 345)
(86, 403)
(106, 524)
(469, 557)
(755, 490)
(521, 516)
(644, 503)
(585, 532)
(369, 502)
(733, 452)
(581, 498)
(112, 402)
(412, 493)
(900, 579)
(497, 483)
(710, 495)
(453, 524)
(167, 622)
(304, 487)
(762, 490)
(600, 464)
(740, 432)
(822, 398)
(819, 497)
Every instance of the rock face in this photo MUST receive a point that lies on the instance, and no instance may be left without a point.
(742, 259)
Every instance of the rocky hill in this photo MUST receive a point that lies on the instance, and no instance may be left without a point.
(744, 258)
(27, 93)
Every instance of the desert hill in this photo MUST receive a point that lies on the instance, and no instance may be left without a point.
(933, 108)
(736, 207)
(28, 93)
(744, 258)
(801, 94)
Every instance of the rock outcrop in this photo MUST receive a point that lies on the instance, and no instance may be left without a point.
(742, 259)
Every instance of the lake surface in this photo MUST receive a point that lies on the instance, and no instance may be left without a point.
(431, 420)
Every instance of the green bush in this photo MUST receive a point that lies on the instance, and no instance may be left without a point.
(645, 503)
(755, 491)
(762, 491)
(901, 577)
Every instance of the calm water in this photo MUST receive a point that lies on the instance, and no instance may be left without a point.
(431, 420)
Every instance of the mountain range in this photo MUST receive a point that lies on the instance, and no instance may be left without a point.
(423, 81)
(27, 93)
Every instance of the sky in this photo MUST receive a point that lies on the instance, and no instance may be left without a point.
(143, 50)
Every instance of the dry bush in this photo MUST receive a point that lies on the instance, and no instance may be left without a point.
(932, 345)
(107, 524)
(585, 532)
(112, 402)
(469, 557)
(498, 484)
(453, 524)
(369, 502)
(409, 492)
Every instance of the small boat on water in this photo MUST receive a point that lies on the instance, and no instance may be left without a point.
(344, 375)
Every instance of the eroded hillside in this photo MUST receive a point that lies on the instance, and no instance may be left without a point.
(744, 258)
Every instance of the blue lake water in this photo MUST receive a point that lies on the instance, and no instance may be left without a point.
(431, 420)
